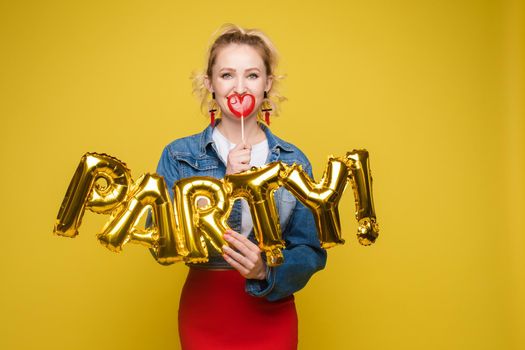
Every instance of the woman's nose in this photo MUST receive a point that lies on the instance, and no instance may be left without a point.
(240, 86)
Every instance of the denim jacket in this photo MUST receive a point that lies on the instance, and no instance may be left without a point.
(196, 155)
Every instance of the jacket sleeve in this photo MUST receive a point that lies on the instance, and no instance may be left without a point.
(303, 256)
(167, 168)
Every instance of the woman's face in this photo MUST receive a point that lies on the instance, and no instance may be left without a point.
(238, 69)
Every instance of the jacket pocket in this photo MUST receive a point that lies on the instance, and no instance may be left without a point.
(285, 202)
(190, 166)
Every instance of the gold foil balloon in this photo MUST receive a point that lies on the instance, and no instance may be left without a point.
(99, 184)
(361, 179)
(197, 222)
(164, 240)
(322, 198)
(257, 187)
(103, 184)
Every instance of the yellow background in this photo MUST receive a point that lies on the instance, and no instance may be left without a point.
(433, 89)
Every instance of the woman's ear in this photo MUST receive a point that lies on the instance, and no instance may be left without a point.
(207, 83)
(269, 82)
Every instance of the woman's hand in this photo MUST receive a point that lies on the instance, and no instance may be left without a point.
(239, 159)
(247, 259)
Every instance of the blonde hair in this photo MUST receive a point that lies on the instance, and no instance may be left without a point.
(232, 34)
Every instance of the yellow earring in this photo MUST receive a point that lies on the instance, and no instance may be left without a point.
(266, 108)
(213, 109)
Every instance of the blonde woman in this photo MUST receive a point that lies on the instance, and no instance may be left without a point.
(236, 301)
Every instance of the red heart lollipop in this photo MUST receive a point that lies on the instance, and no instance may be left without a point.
(241, 105)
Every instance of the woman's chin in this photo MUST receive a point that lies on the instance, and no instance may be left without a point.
(235, 119)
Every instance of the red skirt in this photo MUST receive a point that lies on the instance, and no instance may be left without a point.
(216, 313)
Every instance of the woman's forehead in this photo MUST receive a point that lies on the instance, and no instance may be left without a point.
(238, 56)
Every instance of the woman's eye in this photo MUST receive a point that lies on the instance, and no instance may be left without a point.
(253, 76)
(226, 75)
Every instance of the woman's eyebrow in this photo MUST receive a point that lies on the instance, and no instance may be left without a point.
(234, 70)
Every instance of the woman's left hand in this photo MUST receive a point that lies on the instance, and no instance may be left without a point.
(247, 259)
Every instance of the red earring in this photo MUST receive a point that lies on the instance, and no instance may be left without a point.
(212, 118)
(267, 118)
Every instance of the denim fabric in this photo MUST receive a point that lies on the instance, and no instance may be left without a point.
(196, 155)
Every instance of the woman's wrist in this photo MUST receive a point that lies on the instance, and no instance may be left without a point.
(263, 273)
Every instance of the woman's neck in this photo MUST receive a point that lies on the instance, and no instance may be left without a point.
(231, 129)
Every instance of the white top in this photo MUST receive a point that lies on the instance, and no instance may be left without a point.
(258, 158)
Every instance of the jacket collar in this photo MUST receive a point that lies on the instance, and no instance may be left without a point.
(274, 143)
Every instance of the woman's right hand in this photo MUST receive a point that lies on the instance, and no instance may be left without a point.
(239, 159)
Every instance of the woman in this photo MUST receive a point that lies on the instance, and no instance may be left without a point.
(236, 301)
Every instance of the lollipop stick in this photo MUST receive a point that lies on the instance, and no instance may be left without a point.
(242, 128)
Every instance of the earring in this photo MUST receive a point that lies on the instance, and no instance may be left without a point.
(267, 108)
(213, 109)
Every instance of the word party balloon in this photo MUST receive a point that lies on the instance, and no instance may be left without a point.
(180, 230)
(241, 105)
